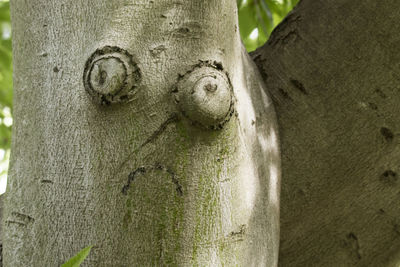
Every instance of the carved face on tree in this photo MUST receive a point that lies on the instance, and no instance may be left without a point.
(174, 135)
(197, 133)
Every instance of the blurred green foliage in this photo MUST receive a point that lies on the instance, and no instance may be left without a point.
(5, 76)
(5, 90)
(257, 19)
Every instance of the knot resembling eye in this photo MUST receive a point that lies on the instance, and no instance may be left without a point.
(111, 75)
(107, 76)
(205, 97)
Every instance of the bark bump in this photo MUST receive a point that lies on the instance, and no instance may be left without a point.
(204, 96)
(111, 75)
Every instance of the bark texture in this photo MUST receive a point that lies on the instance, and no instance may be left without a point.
(109, 156)
(332, 68)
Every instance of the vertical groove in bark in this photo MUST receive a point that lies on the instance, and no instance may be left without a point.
(333, 70)
(137, 179)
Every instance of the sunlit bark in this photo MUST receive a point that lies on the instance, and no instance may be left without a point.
(141, 128)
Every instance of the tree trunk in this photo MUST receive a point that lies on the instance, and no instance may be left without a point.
(142, 128)
(332, 68)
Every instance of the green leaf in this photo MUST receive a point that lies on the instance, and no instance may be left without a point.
(78, 258)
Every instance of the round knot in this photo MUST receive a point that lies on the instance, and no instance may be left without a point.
(107, 76)
(111, 75)
(205, 97)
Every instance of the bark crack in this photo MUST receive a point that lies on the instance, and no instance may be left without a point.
(297, 84)
(232, 237)
(354, 245)
(20, 219)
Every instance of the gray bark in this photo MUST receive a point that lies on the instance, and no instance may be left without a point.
(189, 199)
(111, 149)
(332, 68)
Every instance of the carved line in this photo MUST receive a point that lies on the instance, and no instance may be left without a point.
(161, 129)
(142, 170)
(173, 118)
(19, 219)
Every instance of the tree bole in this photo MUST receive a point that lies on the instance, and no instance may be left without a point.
(101, 157)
